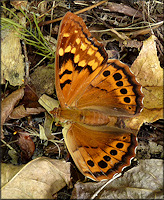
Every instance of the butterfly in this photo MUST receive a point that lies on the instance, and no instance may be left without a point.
(95, 93)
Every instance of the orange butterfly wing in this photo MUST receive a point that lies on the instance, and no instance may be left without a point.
(98, 154)
(75, 67)
(86, 80)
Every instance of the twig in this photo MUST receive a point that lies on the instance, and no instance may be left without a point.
(26, 61)
(77, 12)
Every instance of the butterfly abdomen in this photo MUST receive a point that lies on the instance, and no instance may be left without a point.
(84, 116)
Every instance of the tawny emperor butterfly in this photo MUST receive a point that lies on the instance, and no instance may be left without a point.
(94, 94)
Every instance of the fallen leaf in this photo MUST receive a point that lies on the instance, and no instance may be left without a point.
(150, 140)
(147, 66)
(9, 102)
(39, 179)
(30, 98)
(25, 96)
(14, 156)
(142, 182)
(27, 146)
(20, 112)
(42, 134)
(150, 75)
(8, 171)
(48, 126)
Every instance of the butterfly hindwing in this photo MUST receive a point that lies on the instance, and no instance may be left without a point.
(96, 153)
(118, 88)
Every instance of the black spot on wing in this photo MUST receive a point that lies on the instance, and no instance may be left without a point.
(123, 91)
(119, 83)
(132, 81)
(102, 164)
(120, 145)
(127, 100)
(90, 163)
(106, 73)
(117, 166)
(117, 76)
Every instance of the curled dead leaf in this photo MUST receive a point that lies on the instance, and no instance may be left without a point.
(9, 102)
(21, 111)
(8, 171)
(48, 103)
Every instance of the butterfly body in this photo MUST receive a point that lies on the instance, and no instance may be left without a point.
(83, 116)
(94, 94)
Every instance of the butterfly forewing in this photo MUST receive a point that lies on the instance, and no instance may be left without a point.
(79, 58)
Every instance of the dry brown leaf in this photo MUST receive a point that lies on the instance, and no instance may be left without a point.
(147, 66)
(12, 66)
(121, 8)
(8, 171)
(142, 182)
(21, 111)
(9, 102)
(28, 98)
(39, 179)
(150, 75)
(150, 140)
(27, 146)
